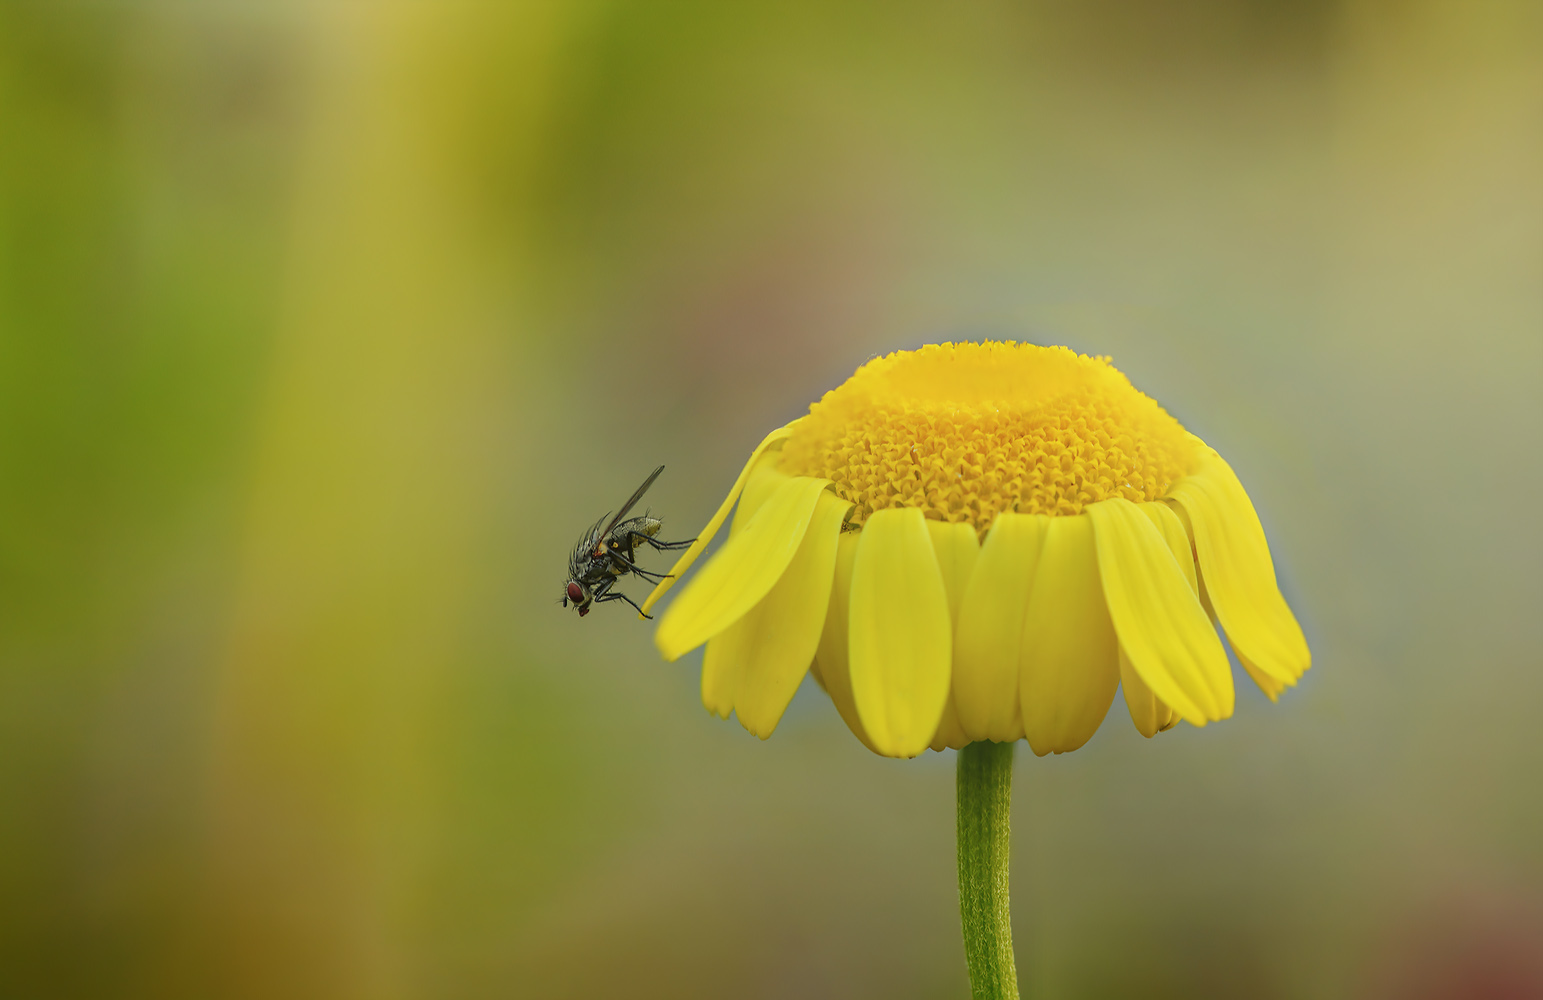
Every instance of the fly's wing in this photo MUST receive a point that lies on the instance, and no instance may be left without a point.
(631, 501)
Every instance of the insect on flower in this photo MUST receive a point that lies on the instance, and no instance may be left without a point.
(606, 554)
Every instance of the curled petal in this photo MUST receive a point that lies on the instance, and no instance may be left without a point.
(743, 571)
(774, 439)
(781, 633)
(728, 652)
(1177, 536)
(1147, 711)
(764, 478)
(1239, 576)
(722, 664)
(1159, 621)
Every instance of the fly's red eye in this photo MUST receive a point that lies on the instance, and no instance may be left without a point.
(575, 593)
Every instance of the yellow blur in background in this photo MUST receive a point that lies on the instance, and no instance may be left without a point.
(325, 329)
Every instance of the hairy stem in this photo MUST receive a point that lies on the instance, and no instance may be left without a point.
(985, 795)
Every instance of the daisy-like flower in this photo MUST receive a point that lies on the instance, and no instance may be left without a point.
(983, 542)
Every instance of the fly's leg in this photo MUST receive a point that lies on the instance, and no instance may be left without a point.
(666, 546)
(604, 594)
(632, 567)
(619, 596)
(634, 537)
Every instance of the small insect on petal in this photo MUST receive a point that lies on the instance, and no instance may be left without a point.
(608, 553)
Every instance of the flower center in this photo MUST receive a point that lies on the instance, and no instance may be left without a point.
(966, 431)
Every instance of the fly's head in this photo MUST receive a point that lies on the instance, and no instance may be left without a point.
(579, 596)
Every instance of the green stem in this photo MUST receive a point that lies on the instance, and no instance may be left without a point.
(985, 795)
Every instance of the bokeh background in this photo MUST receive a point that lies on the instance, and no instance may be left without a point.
(325, 328)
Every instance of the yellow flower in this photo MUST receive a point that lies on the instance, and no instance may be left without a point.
(982, 542)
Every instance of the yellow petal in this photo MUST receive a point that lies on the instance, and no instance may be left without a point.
(722, 664)
(765, 476)
(950, 734)
(832, 654)
(900, 644)
(1014, 731)
(682, 564)
(1069, 659)
(1160, 623)
(1271, 686)
(991, 628)
(957, 548)
(1238, 574)
(782, 632)
(1150, 715)
(1147, 712)
(742, 572)
(1177, 536)
(727, 652)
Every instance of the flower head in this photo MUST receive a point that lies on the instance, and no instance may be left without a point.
(983, 542)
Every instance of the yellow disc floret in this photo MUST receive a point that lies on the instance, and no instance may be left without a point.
(966, 431)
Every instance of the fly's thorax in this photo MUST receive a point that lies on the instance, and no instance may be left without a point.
(584, 559)
(580, 558)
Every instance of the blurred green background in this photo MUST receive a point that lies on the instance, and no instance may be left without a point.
(325, 328)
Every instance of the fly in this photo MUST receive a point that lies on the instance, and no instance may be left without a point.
(606, 554)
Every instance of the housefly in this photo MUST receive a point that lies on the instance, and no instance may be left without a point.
(608, 551)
